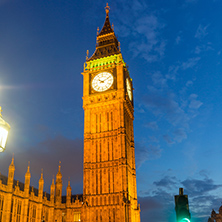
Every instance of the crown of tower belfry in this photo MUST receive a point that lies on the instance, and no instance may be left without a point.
(107, 43)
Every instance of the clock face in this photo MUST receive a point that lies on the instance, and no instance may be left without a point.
(128, 87)
(102, 81)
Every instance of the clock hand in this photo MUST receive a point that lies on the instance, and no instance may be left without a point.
(105, 79)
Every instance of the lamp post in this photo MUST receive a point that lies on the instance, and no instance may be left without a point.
(4, 129)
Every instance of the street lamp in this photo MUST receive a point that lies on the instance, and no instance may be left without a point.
(4, 129)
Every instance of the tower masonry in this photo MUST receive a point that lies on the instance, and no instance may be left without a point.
(109, 183)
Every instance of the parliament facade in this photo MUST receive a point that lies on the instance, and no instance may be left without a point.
(109, 178)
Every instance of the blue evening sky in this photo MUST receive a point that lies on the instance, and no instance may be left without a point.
(174, 52)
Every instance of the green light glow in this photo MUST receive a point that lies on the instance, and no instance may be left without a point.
(185, 220)
(105, 61)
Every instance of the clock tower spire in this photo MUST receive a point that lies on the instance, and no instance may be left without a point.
(109, 180)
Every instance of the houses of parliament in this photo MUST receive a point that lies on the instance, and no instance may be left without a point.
(109, 172)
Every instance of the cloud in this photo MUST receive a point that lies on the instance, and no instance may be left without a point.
(178, 40)
(203, 48)
(144, 29)
(201, 31)
(175, 110)
(166, 106)
(197, 187)
(144, 153)
(190, 63)
(179, 135)
(167, 138)
(149, 203)
(172, 72)
(158, 79)
(194, 103)
(168, 182)
(152, 125)
(151, 47)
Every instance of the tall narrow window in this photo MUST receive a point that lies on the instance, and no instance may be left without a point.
(97, 123)
(28, 213)
(100, 151)
(77, 216)
(109, 180)
(63, 217)
(45, 214)
(93, 182)
(114, 216)
(100, 181)
(97, 151)
(33, 213)
(11, 214)
(96, 215)
(107, 121)
(100, 123)
(113, 180)
(97, 183)
(1, 207)
(108, 149)
(111, 120)
(18, 211)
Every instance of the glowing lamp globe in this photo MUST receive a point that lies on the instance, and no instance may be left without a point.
(4, 129)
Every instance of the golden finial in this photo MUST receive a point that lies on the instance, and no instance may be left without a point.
(12, 163)
(59, 166)
(97, 31)
(28, 166)
(53, 179)
(41, 173)
(87, 54)
(107, 8)
(112, 27)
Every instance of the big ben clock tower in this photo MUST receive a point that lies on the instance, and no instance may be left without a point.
(109, 183)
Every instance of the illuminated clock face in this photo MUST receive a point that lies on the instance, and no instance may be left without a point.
(128, 87)
(102, 81)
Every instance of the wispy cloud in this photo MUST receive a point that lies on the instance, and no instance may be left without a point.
(201, 31)
(168, 182)
(174, 110)
(151, 47)
(144, 29)
(152, 125)
(146, 152)
(194, 103)
(190, 63)
(197, 187)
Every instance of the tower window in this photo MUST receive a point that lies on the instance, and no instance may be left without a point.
(77, 216)
(1, 206)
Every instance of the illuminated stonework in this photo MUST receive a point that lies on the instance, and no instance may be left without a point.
(19, 202)
(109, 183)
(109, 186)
